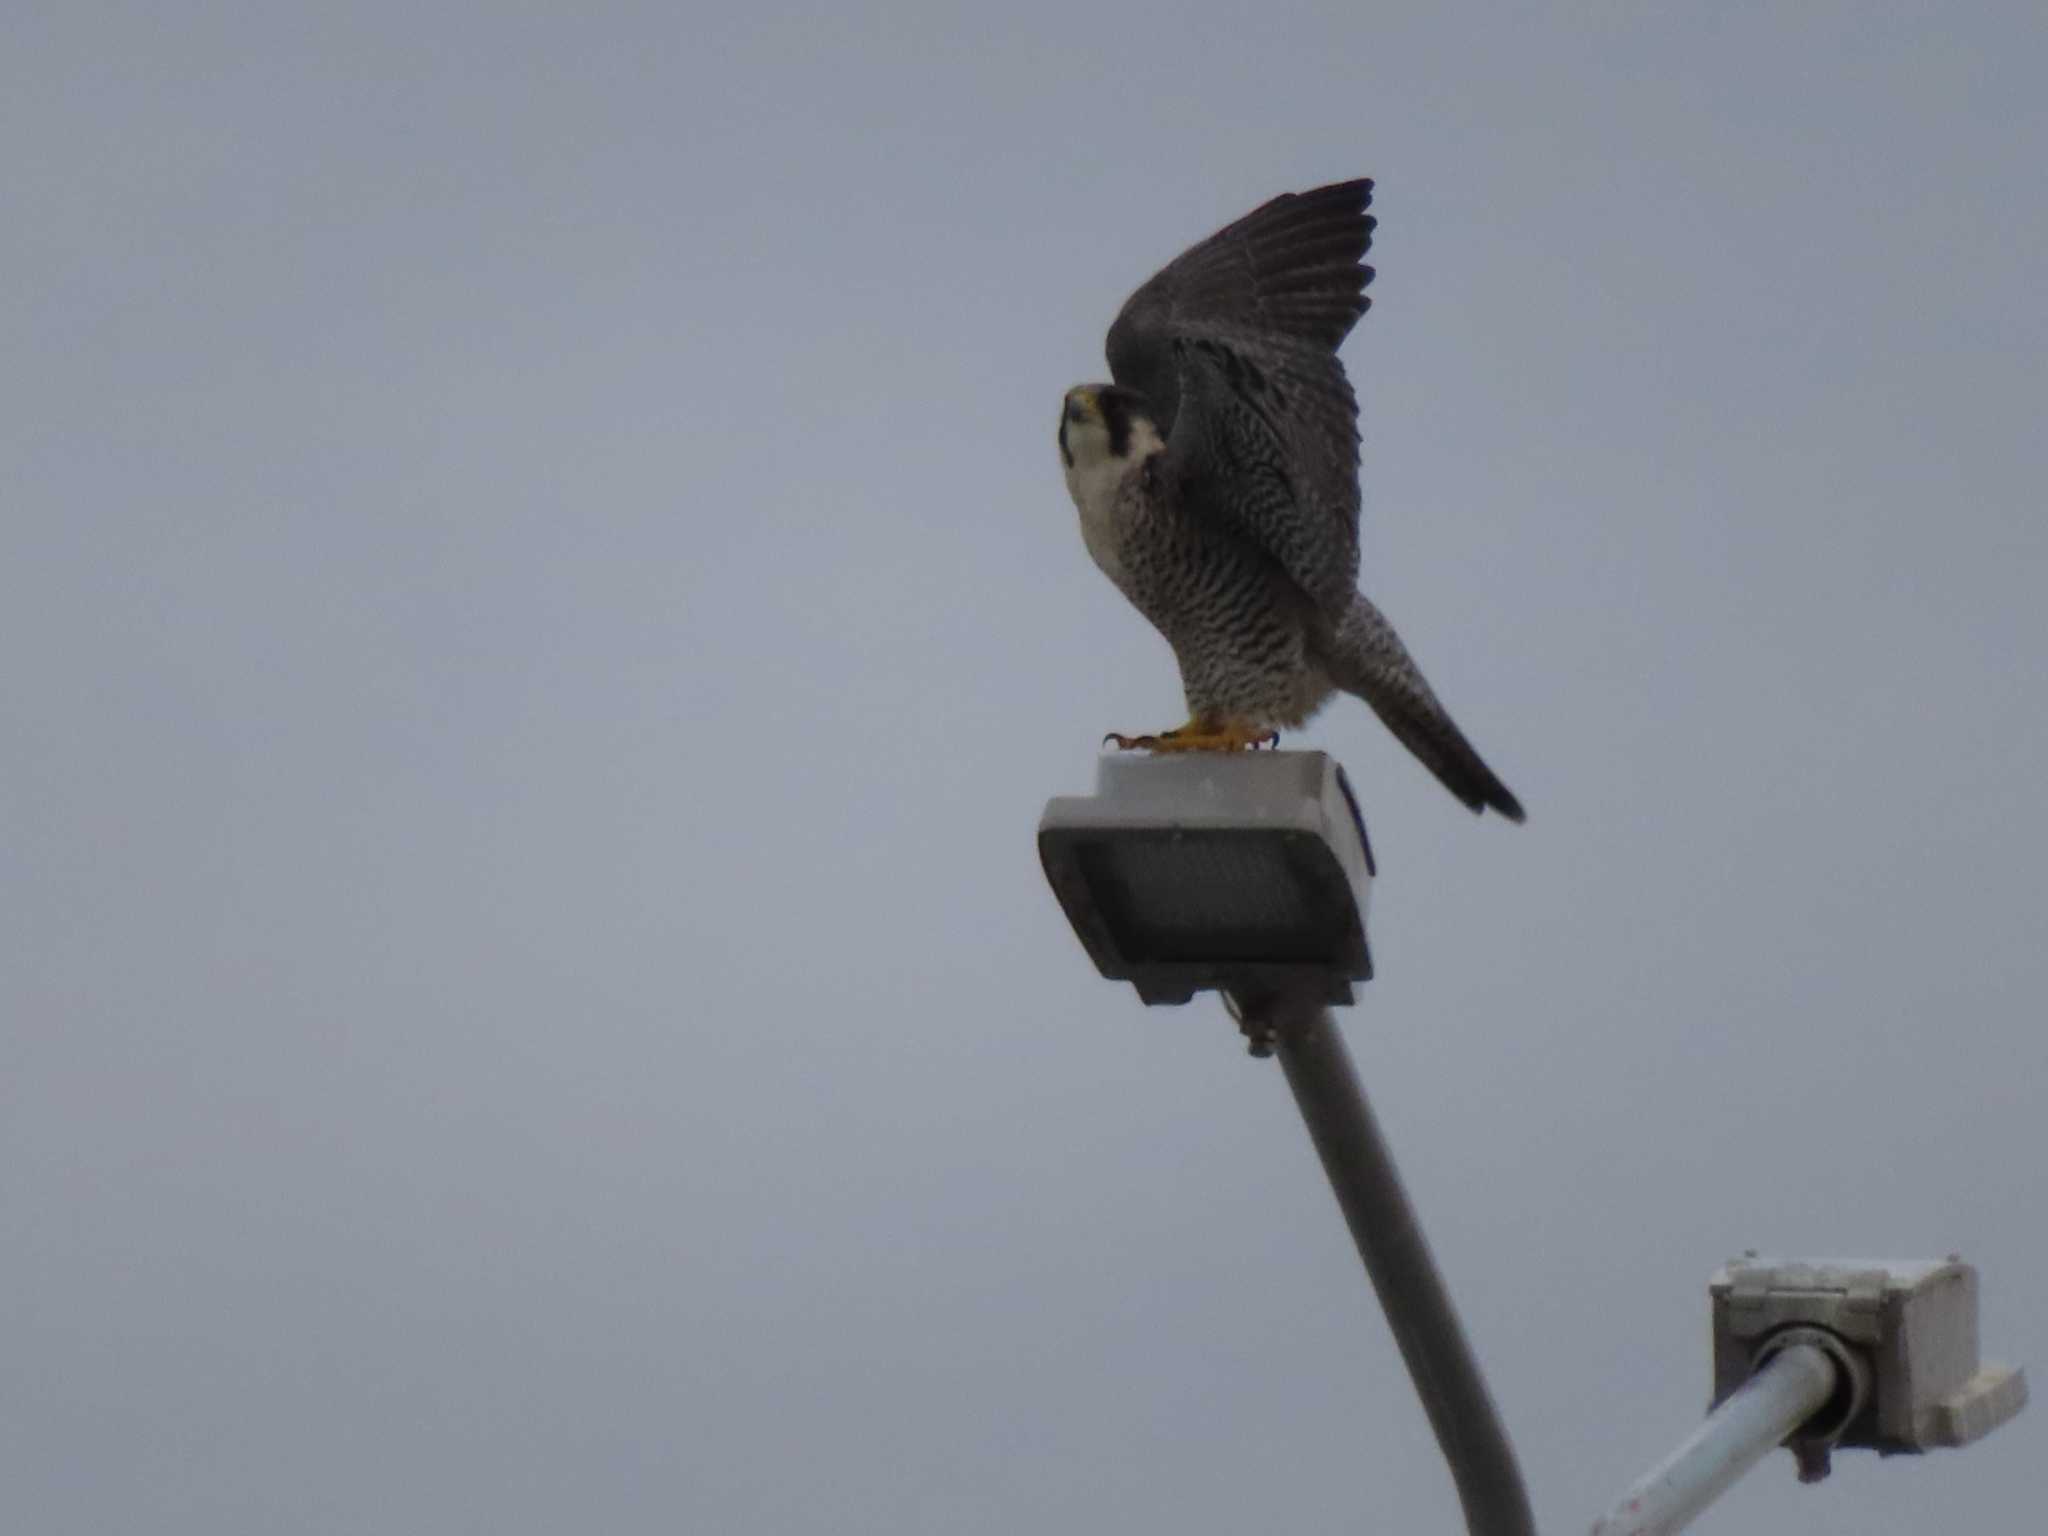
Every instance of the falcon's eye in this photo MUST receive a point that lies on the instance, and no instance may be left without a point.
(1076, 414)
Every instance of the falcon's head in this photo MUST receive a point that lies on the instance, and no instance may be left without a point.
(1102, 425)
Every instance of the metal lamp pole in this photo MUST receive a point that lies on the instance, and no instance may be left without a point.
(1249, 875)
(1383, 1224)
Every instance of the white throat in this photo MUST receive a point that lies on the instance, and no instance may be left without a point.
(1096, 480)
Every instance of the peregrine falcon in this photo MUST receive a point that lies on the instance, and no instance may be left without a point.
(1217, 482)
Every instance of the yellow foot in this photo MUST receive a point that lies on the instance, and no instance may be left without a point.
(1200, 736)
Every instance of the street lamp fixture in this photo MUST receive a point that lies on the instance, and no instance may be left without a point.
(1248, 874)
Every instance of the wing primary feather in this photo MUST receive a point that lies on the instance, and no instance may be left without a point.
(1234, 345)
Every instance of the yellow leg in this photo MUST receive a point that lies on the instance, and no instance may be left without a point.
(1201, 736)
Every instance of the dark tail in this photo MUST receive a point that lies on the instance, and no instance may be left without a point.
(1367, 658)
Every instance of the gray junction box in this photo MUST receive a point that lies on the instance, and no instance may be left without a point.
(1911, 1325)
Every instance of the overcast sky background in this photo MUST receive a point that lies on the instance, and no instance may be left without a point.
(538, 614)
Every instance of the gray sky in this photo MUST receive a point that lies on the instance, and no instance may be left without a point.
(538, 613)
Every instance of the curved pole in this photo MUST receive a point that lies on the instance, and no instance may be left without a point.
(1368, 1188)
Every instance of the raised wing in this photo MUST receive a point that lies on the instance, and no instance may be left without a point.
(1235, 346)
